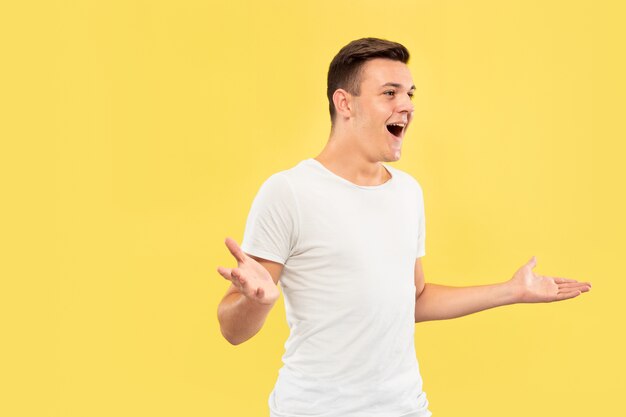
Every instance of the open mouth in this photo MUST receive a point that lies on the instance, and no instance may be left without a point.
(396, 129)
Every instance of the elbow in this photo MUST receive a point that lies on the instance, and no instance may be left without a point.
(233, 340)
(419, 308)
(422, 316)
(227, 335)
(231, 337)
(420, 319)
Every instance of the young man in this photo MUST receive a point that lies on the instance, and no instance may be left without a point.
(344, 234)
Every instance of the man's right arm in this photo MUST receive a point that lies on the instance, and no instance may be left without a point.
(250, 297)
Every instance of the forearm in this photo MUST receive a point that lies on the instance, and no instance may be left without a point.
(241, 318)
(439, 302)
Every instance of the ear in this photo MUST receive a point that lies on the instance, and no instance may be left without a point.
(343, 102)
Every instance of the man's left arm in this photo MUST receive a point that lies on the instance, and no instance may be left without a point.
(439, 302)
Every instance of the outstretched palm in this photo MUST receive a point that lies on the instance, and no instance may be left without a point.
(533, 288)
(250, 277)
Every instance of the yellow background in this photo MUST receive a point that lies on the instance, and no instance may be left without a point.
(135, 135)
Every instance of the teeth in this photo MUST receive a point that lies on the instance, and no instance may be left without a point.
(396, 124)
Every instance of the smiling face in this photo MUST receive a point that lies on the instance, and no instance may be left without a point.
(383, 110)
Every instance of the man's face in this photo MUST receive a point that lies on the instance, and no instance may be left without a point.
(383, 110)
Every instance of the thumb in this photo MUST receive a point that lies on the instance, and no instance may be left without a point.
(532, 263)
(260, 292)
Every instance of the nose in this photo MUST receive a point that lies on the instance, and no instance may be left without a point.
(406, 106)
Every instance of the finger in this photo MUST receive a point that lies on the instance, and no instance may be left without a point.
(239, 279)
(245, 287)
(225, 272)
(574, 285)
(582, 287)
(567, 295)
(532, 263)
(234, 249)
(560, 280)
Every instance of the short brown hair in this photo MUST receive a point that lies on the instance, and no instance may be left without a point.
(345, 68)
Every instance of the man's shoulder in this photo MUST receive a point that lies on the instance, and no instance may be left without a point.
(282, 181)
(289, 175)
(404, 177)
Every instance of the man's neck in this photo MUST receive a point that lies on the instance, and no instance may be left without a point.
(345, 161)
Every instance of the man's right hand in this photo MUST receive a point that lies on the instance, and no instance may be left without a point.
(250, 277)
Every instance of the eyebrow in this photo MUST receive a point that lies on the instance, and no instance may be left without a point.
(396, 85)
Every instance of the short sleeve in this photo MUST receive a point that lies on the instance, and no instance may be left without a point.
(421, 230)
(272, 225)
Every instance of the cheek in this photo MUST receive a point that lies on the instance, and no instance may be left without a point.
(380, 113)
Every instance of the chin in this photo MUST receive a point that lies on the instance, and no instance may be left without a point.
(392, 152)
(393, 157)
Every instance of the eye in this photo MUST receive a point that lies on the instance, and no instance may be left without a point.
(390, 93)
(411, 96)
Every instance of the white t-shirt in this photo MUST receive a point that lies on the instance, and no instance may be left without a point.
(349, 254)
